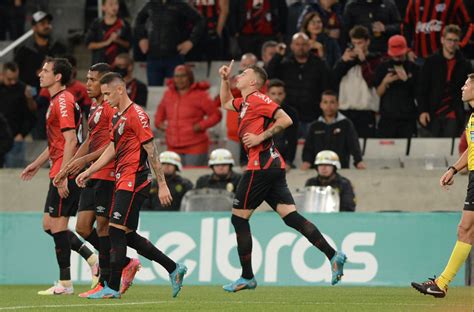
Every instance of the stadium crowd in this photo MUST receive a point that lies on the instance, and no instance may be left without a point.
(342, 70)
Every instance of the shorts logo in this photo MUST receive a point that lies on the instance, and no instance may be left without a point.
(236, 202)
(100, 209)
(117, 215)
(51, 209)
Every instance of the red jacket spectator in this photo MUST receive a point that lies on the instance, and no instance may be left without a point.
(183, 112)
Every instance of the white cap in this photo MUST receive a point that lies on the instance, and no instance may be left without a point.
(327, 158)
(221, 156)
(171, 158)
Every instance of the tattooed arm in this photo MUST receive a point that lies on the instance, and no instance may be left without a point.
(154, 161)
(282, 121)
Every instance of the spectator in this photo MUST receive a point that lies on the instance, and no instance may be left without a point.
(355, 72)
(76, 87)
(305, 77)
(14, 108)
(222, 176)
(380, 17)
(211, 46)
(260, 21)
(12, 19)
(423, 31)
(396, 80)
(108, 36)
(30, 55)
(178, 186)
(332, 131)
(321, 44)
(294, 12)
(136, 89)
(441, 78)
(287, 141)
(327, 163)
(268, 51)
(328, 11)
(160, 28)
(6, 139)
(185, 113)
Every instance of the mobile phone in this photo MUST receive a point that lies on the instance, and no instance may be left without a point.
(350, 46)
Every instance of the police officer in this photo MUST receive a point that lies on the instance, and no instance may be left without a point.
(222, 177)
(177, 185)
(327, 163)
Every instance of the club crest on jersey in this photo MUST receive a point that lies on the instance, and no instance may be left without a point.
(120, 128)
(97, 116)
(243, 110)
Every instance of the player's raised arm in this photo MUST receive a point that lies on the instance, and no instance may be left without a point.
(154, 160)
(225, 93)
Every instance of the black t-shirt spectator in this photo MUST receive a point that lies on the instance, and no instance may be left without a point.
(99, 31)
(14, 108)
(6, 139)
(138, 92)
(30, 57)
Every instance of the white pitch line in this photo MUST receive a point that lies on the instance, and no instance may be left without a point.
(225, 302)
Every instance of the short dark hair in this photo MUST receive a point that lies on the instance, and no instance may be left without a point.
(452, 29)
(275, 83)
(268, 44)
(11, 66)
(329, 93)
(126, 57)
(110, 77)
(260, 72)
(359, 32)
(101, 68)
(61, 66)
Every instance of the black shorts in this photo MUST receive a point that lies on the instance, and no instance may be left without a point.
(126, 208)
(62, 207)
(469, 202)
(97, 196)
(257, 186)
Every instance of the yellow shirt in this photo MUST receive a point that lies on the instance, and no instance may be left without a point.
(470, 142)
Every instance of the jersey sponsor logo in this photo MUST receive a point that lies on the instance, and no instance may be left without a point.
(142, 116)
(429, 27)
(263, 97)
(62, 105)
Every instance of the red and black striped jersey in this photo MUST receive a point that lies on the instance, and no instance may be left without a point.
(130, 130)
(100, 123)
(256, 114)
(426, 19)
(63, 114)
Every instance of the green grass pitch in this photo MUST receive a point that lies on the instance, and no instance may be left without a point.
(264, 298)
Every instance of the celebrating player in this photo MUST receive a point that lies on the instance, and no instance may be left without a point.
(259, 120)
(134, 151)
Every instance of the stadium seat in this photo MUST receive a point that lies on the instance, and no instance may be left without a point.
(154, 97)
(200, 70)
(385, 148)
(421, 147)
(207, 200)
(139, 71)
(383, 163)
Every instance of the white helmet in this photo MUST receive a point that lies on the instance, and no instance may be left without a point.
(221, 156)
(171, 158)
(327, 158)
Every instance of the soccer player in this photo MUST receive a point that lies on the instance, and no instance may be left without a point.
(439, 287)
(96, 198)
(63, 125)
(259, 120)
(134, 151)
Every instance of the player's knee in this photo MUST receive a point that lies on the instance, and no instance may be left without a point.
(465, 233)
(102, 227)
(239, 223)
(83, 230)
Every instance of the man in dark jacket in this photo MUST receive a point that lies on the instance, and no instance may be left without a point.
(381, 17)
(14, 107)
(327, 163)
(163, 36)
(31, 54)
(332, 131)
(177, 185)
(287, 140)
(136, 89)
(305, 77)
(439, 87)
(396, 80)
(222, 177)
